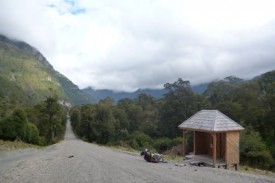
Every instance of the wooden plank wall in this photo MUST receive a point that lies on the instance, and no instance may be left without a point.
(202, 143)
(232, 155)
(221, 145)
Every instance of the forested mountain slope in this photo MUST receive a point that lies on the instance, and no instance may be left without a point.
(26, 76)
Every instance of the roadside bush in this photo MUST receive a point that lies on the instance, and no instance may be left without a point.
(32, 134)
(164, 144)
(254, 151)
(14, 126)
(133, 143)
(141, 139)
(118, 143)
(175, 150)
(123, 134)
(17, 126)
(261, 159)
(42, 141)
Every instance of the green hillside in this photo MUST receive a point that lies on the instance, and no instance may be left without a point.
(27, 76)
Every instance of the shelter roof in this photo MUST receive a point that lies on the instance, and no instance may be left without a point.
(212, 121)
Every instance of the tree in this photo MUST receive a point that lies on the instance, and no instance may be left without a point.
(83, 128)
(121, 118)
(179, 104)
(108, 101)
(178, 88)
(221, 91)
(150, 113)
(134, 114)
(52, 119)
(104, 124)
(14, 126)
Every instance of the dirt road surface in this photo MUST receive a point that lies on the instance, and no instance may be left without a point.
(73, 160)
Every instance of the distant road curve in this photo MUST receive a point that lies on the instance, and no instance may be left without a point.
(73, 160)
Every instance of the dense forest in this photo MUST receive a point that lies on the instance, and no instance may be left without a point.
(41, 124)
(153, 123)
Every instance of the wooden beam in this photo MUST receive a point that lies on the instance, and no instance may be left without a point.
(214, 149)
(183, 143)
(194, 142)
(226, 149)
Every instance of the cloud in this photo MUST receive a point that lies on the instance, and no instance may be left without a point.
(28, 22)
(125, 45)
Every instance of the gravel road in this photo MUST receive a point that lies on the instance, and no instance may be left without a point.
(73, 160)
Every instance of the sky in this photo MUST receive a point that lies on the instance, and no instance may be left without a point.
(124, 45)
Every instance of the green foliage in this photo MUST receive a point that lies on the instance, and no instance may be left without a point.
(14, 126)
(179, 104)
(133, 143)
(252, 104)
(164, 143)
(104, 124)
(32, 134)
(10, 89)
(34, 124)
(254, 151)
(142, 140)
(75, 117)
(221, 91)
(123, 135)
(96, 124)
(51, 119)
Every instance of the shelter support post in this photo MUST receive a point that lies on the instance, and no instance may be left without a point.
(194, 142)
(183, 143)
(237, 167)
(214, 149)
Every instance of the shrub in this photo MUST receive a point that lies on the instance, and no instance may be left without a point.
(14, 126)
(32, 134)
(164, 144)
(123, 134)
(262, 159)
(133, 143)
(141, 139)
(253, 150)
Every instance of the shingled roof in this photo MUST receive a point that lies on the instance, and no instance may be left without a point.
(210, 120)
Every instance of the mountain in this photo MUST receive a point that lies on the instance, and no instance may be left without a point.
(199, 89)
(101, 94)
(157, 93)
(27, 76)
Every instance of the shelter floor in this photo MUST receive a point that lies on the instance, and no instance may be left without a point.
(204, 159)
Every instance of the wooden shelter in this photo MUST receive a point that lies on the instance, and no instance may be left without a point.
(215, 138)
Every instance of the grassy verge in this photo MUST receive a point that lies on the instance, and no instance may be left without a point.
(10, 145)
(256, 171)
(173, 158)
(125, 149)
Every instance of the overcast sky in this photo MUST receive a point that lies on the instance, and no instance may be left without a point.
(130, 44)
